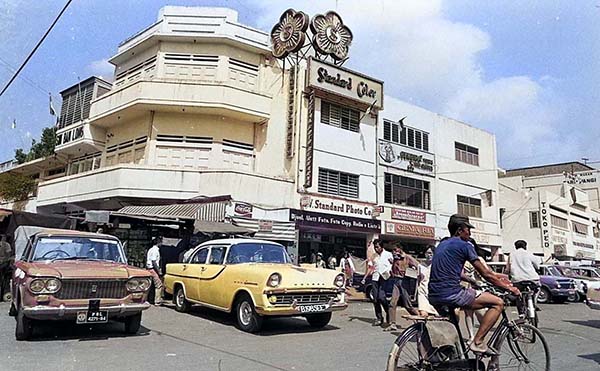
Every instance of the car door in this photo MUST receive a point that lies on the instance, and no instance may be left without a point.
(212, 290)
(193, 272)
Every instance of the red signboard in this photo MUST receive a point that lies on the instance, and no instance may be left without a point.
(410, 215)
(243, 209)
(411, 230)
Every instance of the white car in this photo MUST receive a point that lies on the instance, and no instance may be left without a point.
(593, 295)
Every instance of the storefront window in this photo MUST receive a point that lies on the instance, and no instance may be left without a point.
(400, 190)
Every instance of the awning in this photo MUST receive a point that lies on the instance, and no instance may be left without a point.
(268, 229)
(194, 211)
(218, 227)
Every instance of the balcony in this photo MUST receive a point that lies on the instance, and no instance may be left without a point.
(147, 183)
(80, 139)
(202, 97)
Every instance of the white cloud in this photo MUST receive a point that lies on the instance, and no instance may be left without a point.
(102, 68)
(429, 60)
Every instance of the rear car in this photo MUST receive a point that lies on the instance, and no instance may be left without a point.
(555, 287)
(593, 296)
(74, 276)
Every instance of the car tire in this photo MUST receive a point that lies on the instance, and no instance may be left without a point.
(133, 324)
(574, 298)
(181, 303)
(544, 296)
(319, 320)
(246, 317)
(24, 328)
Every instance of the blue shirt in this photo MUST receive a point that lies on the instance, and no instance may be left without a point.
(446, 268)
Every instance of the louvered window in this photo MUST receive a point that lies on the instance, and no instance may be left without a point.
(408, 136)
(340, 117)
(338, 183)
(469, 206)
(76, 106)
(467, 154)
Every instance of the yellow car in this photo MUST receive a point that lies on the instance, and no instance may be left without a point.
(254, 279)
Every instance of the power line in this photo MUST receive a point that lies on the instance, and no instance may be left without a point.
(35, 48)
(27, 80)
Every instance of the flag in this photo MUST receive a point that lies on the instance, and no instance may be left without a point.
(52, 110)
(14, 124)
(401, 123)
(487, 198)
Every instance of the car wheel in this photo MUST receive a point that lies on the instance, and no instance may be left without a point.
(544, 296)
(181, 303)
(133, 323)
(574, 297)
(24, 328)
(319, 320)
(246, 317)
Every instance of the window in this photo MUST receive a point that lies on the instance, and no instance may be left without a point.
(534, 219)
(466, 154)
(557, 221)
(337, 183)
(217, 255)
(469, 206)
(200, 257)
(579, 228)
(340, 117)
(405, 191)
(408, 136)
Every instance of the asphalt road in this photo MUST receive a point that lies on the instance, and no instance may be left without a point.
(207, 340)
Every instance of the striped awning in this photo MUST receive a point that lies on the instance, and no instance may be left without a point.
(276, 231)
(214, 211)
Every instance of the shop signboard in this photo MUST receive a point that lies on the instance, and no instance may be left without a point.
(405, 158)
(545, 225)
(341, 81)
(336, 206)
(409, 215)
(410, 230)
(336, 222)
(265, 225)
(243, 209)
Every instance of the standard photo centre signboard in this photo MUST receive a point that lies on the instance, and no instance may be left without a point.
(405, 158)
(341, 81)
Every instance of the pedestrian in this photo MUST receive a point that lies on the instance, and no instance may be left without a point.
(381, 271)
(332, 262)
(320, 263)
(425, 308)
(522, 266)
(347, 266)
(401, 263)
(153, 266)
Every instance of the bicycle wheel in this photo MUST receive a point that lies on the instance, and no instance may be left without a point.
(524, 348)
(406, 352)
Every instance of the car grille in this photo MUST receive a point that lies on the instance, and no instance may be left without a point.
(92, 289)
(288, 299)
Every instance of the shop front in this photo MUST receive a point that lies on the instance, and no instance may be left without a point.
(332, 234)
(408, 228)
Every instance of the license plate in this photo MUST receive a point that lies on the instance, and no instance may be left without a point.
(315, 308)
(92, 317)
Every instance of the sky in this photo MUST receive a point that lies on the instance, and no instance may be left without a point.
(526, 70)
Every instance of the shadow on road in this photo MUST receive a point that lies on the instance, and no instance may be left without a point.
(368, 320)
(591, 323)
(271, 326)
(594, 357)
(60, 330)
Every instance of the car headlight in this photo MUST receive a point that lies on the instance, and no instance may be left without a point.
(144, 284)
(37, 286)
(52, 285)
(274, 280)
(558, 285)
(138, 284)
(339, 280)
(44, 285)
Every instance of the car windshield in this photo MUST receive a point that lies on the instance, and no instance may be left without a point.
(257, 253)
(75, 248)
(554, 271)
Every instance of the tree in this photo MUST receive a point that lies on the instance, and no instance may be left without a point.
(38, 150)
(15, 187)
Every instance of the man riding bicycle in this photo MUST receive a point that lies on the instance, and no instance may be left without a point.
(446, 273)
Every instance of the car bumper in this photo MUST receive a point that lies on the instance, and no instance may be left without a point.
(44, 312)
(294, 310)
(562, 292)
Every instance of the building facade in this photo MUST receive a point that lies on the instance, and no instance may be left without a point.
(554, 208)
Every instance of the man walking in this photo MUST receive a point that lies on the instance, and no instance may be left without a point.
(399, 280)
(153, 265)
(382, 267)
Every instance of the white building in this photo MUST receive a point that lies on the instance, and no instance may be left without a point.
(430, 169)
(554, 208)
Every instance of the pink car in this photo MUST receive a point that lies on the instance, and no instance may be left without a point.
(76, 276)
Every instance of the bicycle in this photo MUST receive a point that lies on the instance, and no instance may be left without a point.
(413, 351)
(526, 302)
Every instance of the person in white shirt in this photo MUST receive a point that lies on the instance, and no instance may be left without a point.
(153, 266)
(523, 268)
(347, 266)
(382, 268)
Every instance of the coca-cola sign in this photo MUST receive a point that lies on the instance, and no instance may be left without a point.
(243, 209)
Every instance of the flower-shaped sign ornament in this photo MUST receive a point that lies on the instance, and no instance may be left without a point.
(288, 35)
(331, 36)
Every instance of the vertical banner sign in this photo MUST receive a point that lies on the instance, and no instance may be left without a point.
(545, 226)
(310, 135)
(291, 113)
